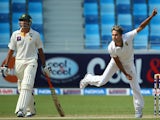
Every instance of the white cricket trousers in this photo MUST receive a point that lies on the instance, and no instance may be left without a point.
(99, 80)
(26, 72)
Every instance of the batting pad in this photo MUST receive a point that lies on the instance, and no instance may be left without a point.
(19, 86)
(25, 97)
(31, 106)
(23, 100)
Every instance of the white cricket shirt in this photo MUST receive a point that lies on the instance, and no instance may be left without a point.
(25, 46)
(125, 53)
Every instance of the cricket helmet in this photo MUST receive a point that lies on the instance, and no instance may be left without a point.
(25, 17)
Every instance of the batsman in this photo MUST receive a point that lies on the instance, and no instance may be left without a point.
(26, 44)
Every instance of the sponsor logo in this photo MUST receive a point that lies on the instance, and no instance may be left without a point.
(19, 38)
(7, 91)
(95, 91)
(71, 91)
(117, 91)
(46, 91)
(146, 91)
(62, 69)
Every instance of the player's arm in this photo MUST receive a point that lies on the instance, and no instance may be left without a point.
(46, 68)
(146, 21)
(120, 66)
(9, 55)
(42, 56)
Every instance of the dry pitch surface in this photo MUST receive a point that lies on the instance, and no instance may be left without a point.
(110, 117)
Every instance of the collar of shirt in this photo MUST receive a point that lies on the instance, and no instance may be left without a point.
(30, 31)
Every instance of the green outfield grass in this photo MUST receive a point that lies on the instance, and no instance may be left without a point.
(80, 106)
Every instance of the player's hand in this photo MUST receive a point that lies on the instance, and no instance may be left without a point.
(154, 12)
(129, 77)
(5, 71)
(46, 70)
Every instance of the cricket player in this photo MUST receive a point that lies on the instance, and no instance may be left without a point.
(122, 56)
(26, 43)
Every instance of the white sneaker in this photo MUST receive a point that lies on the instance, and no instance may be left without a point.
(83, 82)
(29, 114)
(20, 114)
(138, 113)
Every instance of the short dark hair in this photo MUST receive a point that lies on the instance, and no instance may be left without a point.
(117, 28)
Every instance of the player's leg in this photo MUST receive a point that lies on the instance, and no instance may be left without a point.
(23, 101)
(99, 80)
(26, 87)
(137, 96)
(19, 70)
(31, 110)
(19, 90)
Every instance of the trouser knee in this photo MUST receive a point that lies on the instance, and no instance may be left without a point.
(26, 87)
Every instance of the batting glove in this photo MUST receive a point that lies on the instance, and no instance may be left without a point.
(46, 70)
(5, 71)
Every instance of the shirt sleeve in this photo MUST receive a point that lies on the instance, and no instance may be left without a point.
(39, 42)
(111, 50)
(12, 43)
(129, 36)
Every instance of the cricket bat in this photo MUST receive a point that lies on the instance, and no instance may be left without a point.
(54, 97)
